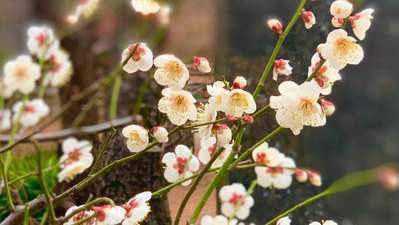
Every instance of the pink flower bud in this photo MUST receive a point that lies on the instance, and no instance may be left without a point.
(337, 22)
(327, 107)
(389, 178)
(309, 19)
(231, 117)
(160, 134)
(301, 175)
(202, 64)
(239, 83)
(248, 119)
(314, 178)
(276, 26)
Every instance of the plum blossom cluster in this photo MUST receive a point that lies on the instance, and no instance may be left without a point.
(133, 211)
(300, 105)
(47, 64)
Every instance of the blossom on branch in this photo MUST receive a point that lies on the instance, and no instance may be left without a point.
(42, 42)
(171, 72)
(137, 208)
(31, 112)
(178, 105)
(341, 49)
(205, 114)
(21, 74)
(138, 57)
(239, 82)
(109, 215)
(308, 19)
(238, 102)
(218, 94)
(79, 216)
(5, 120)
(76, 151)
(361, 22)
(209, 147)
(160, 134)
(275, 25)
(60, 68)
(202, 64)
(146, 7)
(281, 67)
(341, 9)
(137, 137)
(180, 164)
(235, 201)
(324, 75)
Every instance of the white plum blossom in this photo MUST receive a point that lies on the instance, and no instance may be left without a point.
(179, 106)
(327, 222)
(239, 82)
(79, 216)
(42, 42)
(5, 120)
(137, 137)
(31, 112)
(146, 7)
(341, 49)
(207, 114)
(6, 91)
(276, 169)
(298, 106)
(138, 57)
(238, 102)
(217, 93)
(160, 134)
(76, 151)
(361, 22)
(21, 74)
(236, 202)
(71, 171)
(281, 67)
(85, 8)
(202, 64)
(308, 19)
(209, 148)
(223, 134)
(341, 8)
(109, 215)
(60, 68)
(171, 72)
(217, 220)
(180, 164)
(284, 221)
(137, 208)
(326, 75)
(275, 25)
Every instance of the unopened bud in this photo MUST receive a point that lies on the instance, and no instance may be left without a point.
(314, 178)
(301, 175)
(308, 19)
(276, 26)
(160, 134)
(337, 22)
(202, 64)
(231, 118)
(327, 107)
(248, 119)
(389, 178)
(239, 82)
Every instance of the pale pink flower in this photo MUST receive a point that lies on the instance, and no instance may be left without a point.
(308, 19)
(337, 22)
(218, 94)
(279, 176)
(180, 164)
(281, 67)
(223, 134)
(314, 178)
(202, 64)
(209, 148)
(206, 114)
(325, 77)
(361, 22)
(301, 175)
(76, 151)
(21, 74)
(31, 112)
(341, 8)
(79, 216)
(140, 58)
(60, 68)
(236, 202)
(160, 134)
(275, 25)
(137, 137)
(327, 107)
(238, 102)
(341, 49)
(42, 42)
(71, 171)
(137, 208)
(239, 82)
(298, 106)
(178, 105)
(171, 72)
(265, 155)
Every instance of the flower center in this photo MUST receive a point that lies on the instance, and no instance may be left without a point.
(180, 164)
(30, 109)
(135, 137)
(307, 105)
(41, 39)
(212, 149)
(180, 103)
(73, 156)
(239, 100)
(274, 171)
(237, 199)
(344, 46)
(174, 70)
(261, 157)
(21, 72)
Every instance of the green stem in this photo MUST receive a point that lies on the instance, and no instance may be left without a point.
(26, 215)
(2, 102)
(194, 186)
(270, 63)
(140, 97)
(115, 97)
(43, 85)
(7, 190)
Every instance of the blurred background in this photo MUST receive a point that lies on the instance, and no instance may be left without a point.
(363, 133)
